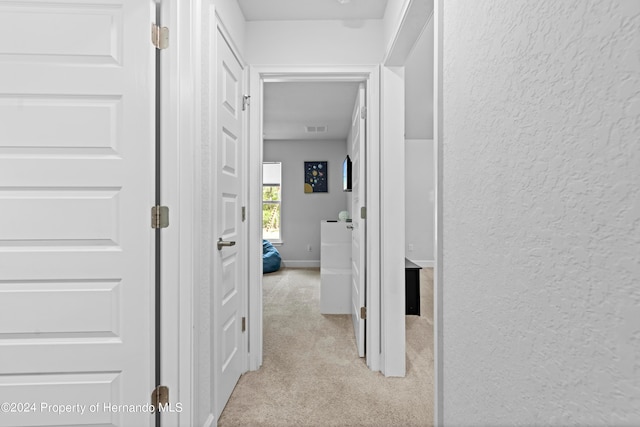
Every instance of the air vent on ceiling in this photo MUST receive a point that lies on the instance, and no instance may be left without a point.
(315, 129)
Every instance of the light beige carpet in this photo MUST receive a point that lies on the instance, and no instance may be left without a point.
(312, 375)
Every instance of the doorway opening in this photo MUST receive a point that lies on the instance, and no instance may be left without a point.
(305, 124)
(308, 134)
(420, 186)
(329, 153)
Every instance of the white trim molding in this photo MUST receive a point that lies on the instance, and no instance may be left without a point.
(438, 136)
(392, 221)
(414, 18)
(178, 133)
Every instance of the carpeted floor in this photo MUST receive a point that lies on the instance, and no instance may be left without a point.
(312, 376)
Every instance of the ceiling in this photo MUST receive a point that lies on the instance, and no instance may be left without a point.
(296, 10)
(290, 107)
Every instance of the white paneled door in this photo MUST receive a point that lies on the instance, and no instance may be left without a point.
(358, 245)
(76, 188)
(228, 254)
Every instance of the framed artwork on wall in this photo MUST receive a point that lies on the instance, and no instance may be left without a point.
(315, 177)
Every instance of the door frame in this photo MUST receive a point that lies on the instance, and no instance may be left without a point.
(182, 257)
(180, 121)
(413, 20)
(438, 136)
(258, 76)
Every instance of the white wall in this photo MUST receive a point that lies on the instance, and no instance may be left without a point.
(541, 215)
(313, 43)
(418, 77)
(419, 201)
(419, 160)
(302, 212)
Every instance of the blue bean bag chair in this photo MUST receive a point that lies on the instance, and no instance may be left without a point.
(270, 257)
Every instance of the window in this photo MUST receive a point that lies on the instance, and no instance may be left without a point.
(271, 201)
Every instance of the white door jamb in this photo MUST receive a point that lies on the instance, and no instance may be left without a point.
(438, 319)
(177, 130)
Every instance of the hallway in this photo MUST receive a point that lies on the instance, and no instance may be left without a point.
(311, 374)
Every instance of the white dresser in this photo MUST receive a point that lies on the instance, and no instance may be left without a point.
(335, 268)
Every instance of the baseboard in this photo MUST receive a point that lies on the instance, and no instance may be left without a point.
(424, 263)
(301, 264)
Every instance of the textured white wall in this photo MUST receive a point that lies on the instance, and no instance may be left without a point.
(541, 212)
(419, 200)
(302, 212)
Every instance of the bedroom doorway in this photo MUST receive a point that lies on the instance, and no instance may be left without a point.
(314, 140)
(309, 130)
(305, 125)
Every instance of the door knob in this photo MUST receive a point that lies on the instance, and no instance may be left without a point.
(350, 227)
(222, 244)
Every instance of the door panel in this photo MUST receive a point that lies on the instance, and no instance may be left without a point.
(228, 260)
(358, 289)
(76, 187)
(64, 123)
(93, 33)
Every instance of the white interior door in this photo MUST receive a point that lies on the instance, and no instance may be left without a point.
(228, 269)
(76, 188)
(358, 288)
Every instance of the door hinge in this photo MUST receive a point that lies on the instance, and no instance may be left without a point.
(363, 313)
(159, 36)
(363, 212)
(246, 101)
(363, 113)
(159, 216)
(160, 396)
(244, 213)
(244, 324)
